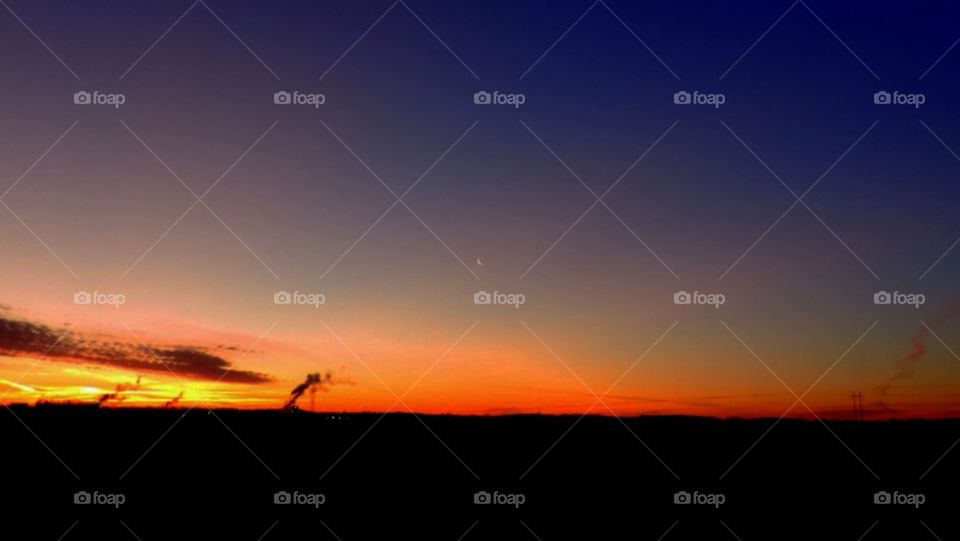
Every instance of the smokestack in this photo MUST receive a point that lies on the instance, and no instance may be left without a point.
(118, 393)
(313, 381)
(173, 401)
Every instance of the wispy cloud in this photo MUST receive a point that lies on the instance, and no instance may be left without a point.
(27, 339)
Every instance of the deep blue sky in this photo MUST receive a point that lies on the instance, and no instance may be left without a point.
(799, 99)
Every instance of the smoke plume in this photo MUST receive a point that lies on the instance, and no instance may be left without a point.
(173, 401)
(314, 381)
(117, 395)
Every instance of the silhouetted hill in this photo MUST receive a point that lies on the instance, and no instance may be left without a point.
(203, 472)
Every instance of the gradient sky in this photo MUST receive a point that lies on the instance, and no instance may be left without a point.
(285, 216)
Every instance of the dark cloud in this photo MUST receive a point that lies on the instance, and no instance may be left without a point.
(19, 338)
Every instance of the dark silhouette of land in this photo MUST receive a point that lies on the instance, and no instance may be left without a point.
(202, 472)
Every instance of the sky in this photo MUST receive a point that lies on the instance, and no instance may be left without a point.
(595, 201)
